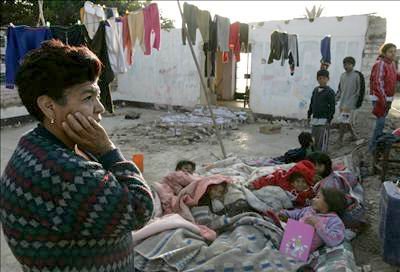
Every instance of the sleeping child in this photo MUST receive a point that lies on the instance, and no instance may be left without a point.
(298, 180)
(323, 216)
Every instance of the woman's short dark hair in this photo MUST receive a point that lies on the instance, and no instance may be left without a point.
(181, 163)
(321, 158)
(305, 139)
(51, 69)
(335, 199)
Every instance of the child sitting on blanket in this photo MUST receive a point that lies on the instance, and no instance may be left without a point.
(297, 154)
(186, 166)
(323, 216)
(298, 180)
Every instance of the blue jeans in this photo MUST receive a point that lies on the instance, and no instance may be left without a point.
(379, 126)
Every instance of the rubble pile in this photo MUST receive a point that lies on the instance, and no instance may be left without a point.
(189, 127)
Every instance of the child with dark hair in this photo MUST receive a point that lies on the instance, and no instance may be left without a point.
(321, 111)
(298, 180)
(186, 166)
(297, 154)
(348, 94)
(323, 215)
(323, 164)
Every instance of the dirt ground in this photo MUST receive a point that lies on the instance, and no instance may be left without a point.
(246, 142)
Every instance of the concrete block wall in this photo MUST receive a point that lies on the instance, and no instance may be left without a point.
(374, 38)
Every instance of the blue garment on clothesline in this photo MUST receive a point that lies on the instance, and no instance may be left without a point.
(21, 40)
(326, 50)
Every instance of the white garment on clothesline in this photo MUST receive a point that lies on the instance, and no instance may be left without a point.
(93, 14)
(115, 46)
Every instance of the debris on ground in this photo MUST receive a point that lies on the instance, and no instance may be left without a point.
(132, 115)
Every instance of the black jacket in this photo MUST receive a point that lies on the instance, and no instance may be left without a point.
(322, 104)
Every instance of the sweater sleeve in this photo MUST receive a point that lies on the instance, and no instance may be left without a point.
(378, 80)
(332, 233)
(294, 214)
(310, 109)
(331, 103)
(98, 200)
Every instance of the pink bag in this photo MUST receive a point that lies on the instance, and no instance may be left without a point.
(297, 239)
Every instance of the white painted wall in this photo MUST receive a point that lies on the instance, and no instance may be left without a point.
(168, 76)
(273, 90)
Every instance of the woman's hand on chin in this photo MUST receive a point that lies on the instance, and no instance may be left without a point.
(87, 133)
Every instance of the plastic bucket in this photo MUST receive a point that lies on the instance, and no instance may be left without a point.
(138, 160)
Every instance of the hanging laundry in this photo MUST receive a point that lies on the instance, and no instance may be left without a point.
(74, 35)
(136, 28)
(115, 47)
(234, 39)
(293, 52)
(203, 23)
(91, 16)
(190, 13)
(111, 12)
(283, 37)
(223, 26)
(244, 37)
(99, 47)
(275, 47)
(126, 40)
(213, 44)
(151, 23)
(21, 40)
(326, 52)
(279, 47)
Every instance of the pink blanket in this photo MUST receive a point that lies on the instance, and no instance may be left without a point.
(179, 191)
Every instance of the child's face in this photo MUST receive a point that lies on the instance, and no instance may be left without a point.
(322, 80)
(320, 168)
(187, 168)
(300, 184)
(216, 190)
(348, 66)
(319, 204)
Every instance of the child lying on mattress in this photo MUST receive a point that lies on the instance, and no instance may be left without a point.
(298, 180)
(323, 215)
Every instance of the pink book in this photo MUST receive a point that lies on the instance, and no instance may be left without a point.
(297, 239)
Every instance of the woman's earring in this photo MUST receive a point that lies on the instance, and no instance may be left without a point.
(52, 121)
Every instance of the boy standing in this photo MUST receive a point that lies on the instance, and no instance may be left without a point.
(322, 109)
(348, 94)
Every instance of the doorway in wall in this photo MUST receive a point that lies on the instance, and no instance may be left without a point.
(232, 81)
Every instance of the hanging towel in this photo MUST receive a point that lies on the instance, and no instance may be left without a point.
(203, 23)
(293, 52)
(21, 40)
(234, 39)
(326, 50)
(91, 17)
(99, 47)
(244, 37)
(151, 23)
(115, 47)
(136, 29)
(190, 13)
(126, 40)
(223, 26)
(74, 35)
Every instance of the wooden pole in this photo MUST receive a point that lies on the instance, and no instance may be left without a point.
(217, 132)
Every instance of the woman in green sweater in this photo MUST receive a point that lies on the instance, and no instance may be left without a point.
(69, 199)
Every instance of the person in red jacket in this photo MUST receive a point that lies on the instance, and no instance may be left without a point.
(382, 87)
(298, 180)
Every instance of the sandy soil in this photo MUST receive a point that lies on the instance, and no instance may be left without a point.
(160, 159)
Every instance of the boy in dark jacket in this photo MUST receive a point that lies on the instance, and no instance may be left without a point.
(321, 111)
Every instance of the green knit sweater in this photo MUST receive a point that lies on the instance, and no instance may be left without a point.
(61, 212)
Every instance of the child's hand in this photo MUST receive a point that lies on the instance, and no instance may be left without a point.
(311, 221)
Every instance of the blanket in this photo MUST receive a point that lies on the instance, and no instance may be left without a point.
(247, 242)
